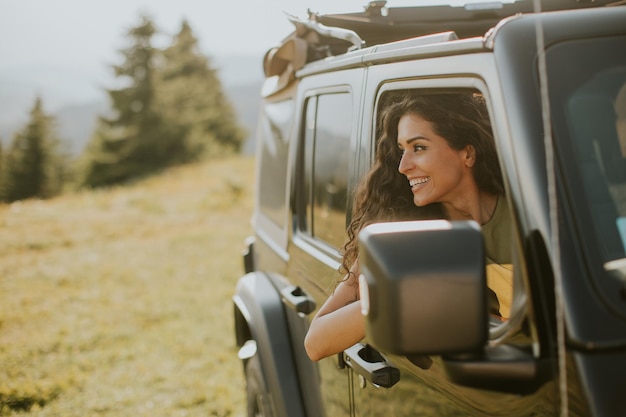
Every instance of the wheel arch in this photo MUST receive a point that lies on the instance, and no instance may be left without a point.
(260, 317)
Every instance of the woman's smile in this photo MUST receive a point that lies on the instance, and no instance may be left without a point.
(417, 183)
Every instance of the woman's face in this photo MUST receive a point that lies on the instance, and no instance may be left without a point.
(436, 172)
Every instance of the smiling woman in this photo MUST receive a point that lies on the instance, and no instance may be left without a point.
(436, 157)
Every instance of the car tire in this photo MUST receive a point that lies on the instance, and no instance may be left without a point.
(256, 389)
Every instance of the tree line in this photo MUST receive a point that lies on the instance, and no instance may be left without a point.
(171, 110)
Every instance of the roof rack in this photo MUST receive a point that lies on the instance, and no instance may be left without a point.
(321, 36)
(381, 24)
(310, 41)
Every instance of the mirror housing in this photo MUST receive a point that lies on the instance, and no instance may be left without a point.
(423, 287)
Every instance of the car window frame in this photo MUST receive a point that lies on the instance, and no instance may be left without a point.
(318, 248)
(499, 332)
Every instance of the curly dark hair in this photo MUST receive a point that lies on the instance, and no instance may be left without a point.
(383, 194)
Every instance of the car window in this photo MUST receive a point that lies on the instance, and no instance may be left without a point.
(497, 234)
(326, 155)
(589, 109)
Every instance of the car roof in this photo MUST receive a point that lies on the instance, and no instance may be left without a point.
(324, 35)
(378, 24)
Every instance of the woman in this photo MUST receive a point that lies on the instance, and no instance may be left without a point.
(436, 158)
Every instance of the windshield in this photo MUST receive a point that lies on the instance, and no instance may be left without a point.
(587, 82)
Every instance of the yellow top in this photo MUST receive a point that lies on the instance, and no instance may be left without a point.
(497, 238)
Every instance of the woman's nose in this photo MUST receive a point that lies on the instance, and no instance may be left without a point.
(405, 164)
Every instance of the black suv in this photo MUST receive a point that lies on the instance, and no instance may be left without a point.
(555, 85)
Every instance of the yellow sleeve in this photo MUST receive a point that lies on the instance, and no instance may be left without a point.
(500, 281)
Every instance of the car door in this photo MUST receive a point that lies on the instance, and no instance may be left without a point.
(322, 182)
(421, 385)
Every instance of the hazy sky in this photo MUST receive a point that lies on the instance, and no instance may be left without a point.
(88, 32)
(62, 50)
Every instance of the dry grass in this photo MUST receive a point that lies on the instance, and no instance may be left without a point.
(118, 302)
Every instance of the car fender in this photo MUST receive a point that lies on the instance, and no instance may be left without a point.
(260, 317)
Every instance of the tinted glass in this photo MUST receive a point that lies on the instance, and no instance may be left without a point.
(589, 108)
(327, 152)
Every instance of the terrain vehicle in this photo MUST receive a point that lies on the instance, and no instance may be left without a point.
(555, 85)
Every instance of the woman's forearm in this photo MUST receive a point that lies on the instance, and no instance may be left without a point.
(335, 331)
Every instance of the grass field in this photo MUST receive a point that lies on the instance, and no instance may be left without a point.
(118, 302)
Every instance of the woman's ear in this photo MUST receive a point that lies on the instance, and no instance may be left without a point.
(470, 156)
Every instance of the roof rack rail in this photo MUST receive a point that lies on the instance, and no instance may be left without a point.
(303, 26)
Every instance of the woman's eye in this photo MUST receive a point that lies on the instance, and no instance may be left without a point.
(418, 148)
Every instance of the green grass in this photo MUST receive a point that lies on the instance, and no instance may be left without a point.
(118, 302)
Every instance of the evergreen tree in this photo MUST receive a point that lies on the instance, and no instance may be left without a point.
(33, 166)
(191, 98)
(137, 140)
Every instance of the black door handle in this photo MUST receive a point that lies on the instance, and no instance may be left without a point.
(297, 300)
(370, 364)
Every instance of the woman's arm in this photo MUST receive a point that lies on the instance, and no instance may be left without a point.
(338, 324)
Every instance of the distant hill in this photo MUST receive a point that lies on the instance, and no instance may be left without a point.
(76, 123)
(241, 79)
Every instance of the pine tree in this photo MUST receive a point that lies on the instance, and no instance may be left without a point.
(190, 96)
(33, 166)
(137, 140)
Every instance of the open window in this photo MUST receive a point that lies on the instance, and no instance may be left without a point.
(498, 236)
(453, 280)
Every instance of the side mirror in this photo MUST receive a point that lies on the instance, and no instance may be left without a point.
(424, 289)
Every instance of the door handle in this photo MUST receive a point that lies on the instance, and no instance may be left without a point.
(297, 300)
(369, 363)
